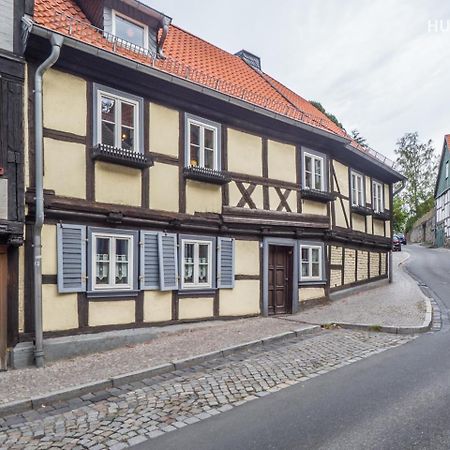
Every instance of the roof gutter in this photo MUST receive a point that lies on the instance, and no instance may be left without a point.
(57, 42)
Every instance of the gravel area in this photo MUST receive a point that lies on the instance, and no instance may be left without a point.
(192, 340)
(400, 303)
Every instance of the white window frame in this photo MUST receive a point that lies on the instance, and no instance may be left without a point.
(377, 200)
(446, 169)
(355, 201)
(310, 247)
(119, 99)
(203, 126)
(196, 284)
(313, 169)
(135, 22)
(112, 262)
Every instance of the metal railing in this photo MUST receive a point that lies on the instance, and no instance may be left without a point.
(88, 33)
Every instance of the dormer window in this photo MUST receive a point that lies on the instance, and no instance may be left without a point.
(129, 30)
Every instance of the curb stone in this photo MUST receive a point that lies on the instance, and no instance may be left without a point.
(27, 404)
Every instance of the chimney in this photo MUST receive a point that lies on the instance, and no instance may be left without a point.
(251, 59)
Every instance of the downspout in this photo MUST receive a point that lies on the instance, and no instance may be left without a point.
(57, 42)
(391, 269)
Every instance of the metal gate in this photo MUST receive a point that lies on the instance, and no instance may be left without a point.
(440, 236)
(3, 306)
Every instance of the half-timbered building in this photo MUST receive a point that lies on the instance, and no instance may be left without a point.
(183, 183)
(442, 196)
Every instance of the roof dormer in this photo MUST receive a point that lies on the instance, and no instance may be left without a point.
(129, 21)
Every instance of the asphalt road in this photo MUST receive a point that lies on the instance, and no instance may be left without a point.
(399, 399)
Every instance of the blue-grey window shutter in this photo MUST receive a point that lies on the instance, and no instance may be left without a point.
(149, 267)
(168, 261)
(71, 258)
(225, 263)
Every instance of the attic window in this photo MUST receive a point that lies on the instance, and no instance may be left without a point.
(129, 30)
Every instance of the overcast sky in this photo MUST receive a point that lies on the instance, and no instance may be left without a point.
(379, 66)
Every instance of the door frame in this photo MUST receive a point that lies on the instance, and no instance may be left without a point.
(3, 306)
(281, 242)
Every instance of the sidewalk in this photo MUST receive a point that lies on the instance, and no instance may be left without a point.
(400, 304)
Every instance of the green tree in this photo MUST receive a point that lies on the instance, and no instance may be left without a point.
(332, 117)
(418, 163)
(399, 215)
(361, 140)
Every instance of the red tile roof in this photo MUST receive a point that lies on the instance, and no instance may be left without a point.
(201, 62)
(447, 139)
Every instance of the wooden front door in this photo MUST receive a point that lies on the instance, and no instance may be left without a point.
(3, 310)
(280, 279)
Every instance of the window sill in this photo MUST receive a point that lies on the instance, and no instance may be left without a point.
(120, 156)
(362, 210)
(312, 283)
(316, 195)
(112, 294)
(381, 215)
(189, 293)
(206, 175)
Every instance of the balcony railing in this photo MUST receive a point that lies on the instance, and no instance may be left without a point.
(88, 33)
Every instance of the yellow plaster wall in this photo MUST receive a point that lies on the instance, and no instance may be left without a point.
(164, 130)
(282, 161)
(203, 197)
(235, 195)
(274, 200)
(378, 227)
(111, 313)
(310, 293)
(387, 225)
(157, 306)
(339, 213)
(59, 312)
(49, 250)
(369, 224)
(164, 187)
(64, 102)
(359, 222)
(195, 308)
(244, 153)
(117, 184)
(336, 255)
(65, 168)
(242, 300)
(311, 207)
(247, 257)
(342, 176)
(387, 202)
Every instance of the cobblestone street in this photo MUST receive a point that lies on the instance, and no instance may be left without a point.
(117, 418)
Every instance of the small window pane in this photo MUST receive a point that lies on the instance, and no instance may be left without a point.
(318, 182)
(129, 31)
(102, 261)
(305, 269)
(127, 138)
(315, 255)
(308, 164)
(209, 138)
(315, 267)
(108, 109)
(122, 252)
(108, 134)
(209, 159)
(188, 263)
(318, 166)
(308, 180)
(195, 134)
(305, 254)
(195, 155)
(127, 115)
(203, 260)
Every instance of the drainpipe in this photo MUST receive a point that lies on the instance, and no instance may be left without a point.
(57, 42)
(396, 192)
